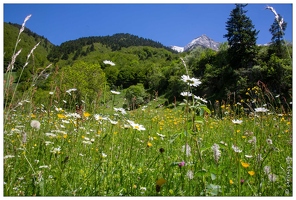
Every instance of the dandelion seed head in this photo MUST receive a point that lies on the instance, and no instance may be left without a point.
(35, 124)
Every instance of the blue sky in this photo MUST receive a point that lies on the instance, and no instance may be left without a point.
(170, 24)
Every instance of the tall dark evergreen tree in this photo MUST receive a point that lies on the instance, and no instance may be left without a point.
(241, 38)
(277, 30)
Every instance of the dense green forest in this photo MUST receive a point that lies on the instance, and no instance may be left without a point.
(146, 69)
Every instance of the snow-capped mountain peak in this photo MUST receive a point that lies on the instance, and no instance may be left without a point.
(177, 48)
(203, 41)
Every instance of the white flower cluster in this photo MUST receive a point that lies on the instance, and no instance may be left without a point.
(108, 62)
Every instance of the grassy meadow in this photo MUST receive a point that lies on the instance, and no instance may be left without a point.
(190, 148)
(149, 151)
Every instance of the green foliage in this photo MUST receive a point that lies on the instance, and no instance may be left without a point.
(135, 96)
(88, 79)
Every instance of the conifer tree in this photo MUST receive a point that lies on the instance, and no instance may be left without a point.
(241, 38)
(277, 30)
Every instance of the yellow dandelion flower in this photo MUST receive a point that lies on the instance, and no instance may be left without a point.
(244, 136)
(61, 116)
(83, 137)
(237, 131)
(245, 165)
(65, 136)
(230, 182)
(252, 173)
(33, 116)
(86, 114)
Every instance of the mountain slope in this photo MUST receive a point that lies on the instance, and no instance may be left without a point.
(28, 40)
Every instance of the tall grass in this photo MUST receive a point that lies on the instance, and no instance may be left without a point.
(184, 151)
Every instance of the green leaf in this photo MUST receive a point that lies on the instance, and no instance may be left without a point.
(213, 176)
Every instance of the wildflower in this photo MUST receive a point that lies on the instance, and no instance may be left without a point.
(216, 151)
(266, 169)
(113, 122)
(51, 93)
(181, 164)
(114, 92)
(99, 117)
(200, 99)
(245, 165)
(71, 90)
(252, 173)
(186, 94)
(242, 181)
(269, 141)
(188, 149)
(35, 124)
(190, 81)
(236, 149)
(149, 144)
(190, 174)
(56, 150)
(160, 135)
(261, 110)
(86, 142)
(253, 140)
(138, 127)
(230, 182)
(48, 143)
(8, 156)
(289, 160)
(108, 62)
(122, 110)
(61, 116)
(237, 121)
(143, 189)
(272, 177)
(43, 166)
(259, 158)
(24, 139)
(86, 114)
(104, 155)
(160, 181)
(248, 156)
